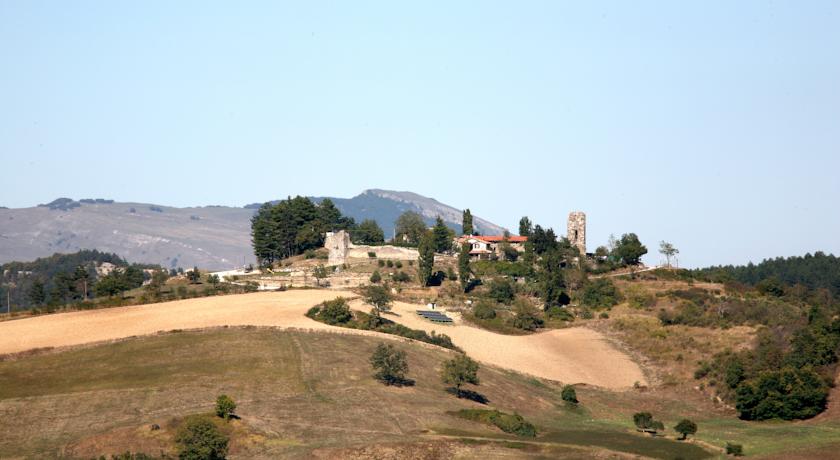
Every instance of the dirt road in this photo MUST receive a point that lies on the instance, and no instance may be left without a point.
(575, 355)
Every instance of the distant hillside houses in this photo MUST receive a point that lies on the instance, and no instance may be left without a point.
(483, 247)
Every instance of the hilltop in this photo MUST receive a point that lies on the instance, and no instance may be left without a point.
(211, 237)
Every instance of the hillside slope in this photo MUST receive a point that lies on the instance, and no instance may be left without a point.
(211, 237)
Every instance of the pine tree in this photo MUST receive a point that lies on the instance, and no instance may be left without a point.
(467, 223)
(525, 226)
(426, 261)
(442, 236)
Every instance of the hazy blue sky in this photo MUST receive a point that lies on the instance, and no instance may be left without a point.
(714, 125)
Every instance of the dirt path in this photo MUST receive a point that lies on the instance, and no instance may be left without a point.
(574, 355)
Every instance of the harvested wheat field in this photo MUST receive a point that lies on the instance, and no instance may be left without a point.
(574, 355)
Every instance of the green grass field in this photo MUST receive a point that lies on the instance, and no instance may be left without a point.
(304, 394)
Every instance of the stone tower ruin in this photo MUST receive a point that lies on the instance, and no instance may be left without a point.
(577, 231)
(338, 244)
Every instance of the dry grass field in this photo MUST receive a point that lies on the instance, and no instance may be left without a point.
(574, 355)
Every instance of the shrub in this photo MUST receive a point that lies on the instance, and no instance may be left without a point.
(558, 312)
(586, 314)
(639, 298)
(309, 254)
(380, 262)
(401, 277)
(398, 264)
(526, 318)
(569, 394)
(501, 291)
(371, 254)
(788, 394)
(390, 364)
(389, 263)
(225, 407)
(604, 315)
(375, 277)
(451, 275)
(734, 449)
(509, 423)
(335, 311)
(600, 293)
(200, 439)
(484, 310)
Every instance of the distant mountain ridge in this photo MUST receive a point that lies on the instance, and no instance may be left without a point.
(210, 237)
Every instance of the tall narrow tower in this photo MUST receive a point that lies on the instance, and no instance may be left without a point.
(577, 231)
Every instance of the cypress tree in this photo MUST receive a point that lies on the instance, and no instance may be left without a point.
(467, 223)
(426, 261)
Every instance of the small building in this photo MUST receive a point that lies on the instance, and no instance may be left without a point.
(488, 247)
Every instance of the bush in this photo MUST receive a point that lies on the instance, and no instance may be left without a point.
(484, 310)
(335, 311)
(788, 394)
(644, 421)
(379, 262)
(225, 407)
(639, 298)
(509, 423)
(401, 277)
(200, 439)
(600, 293)
(569, 394)
(398, 264)
(557, 312)
(389, 263)
(371, 254)
(586, 314)
(526, 318)
(604, 315)
(501, 291)
(734, 449)
(309, 254)
(451, 275)
(375, 277)
(390, 364)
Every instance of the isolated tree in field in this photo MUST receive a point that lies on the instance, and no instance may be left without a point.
(225, 407)
(442, 235)
(368, 232)
(458, 371)
(467, 223)
(378, 297)
(668, 250)
(569, 394)
(389, 363)
(426, 260)
(525, 226)
(685, 427)
(200, 439)
(644, 422)
(319, 272)
(411, 226)
(194, 275)
(464, 271)
(629, 249)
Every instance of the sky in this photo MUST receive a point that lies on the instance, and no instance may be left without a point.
(713, 125)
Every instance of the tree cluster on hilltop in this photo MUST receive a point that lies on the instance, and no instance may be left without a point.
(292, 226)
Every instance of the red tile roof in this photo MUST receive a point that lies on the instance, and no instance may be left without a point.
(499, 238)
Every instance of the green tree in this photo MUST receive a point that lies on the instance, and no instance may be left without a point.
(550, 279)
(214, 280)
(335, 311)
(368, 232)
(410, 226)
(225, 407)
(569, 394)
(200, 439)
(82, 277)
(600, 293)
(787, 394)
(467, 223)
(502, 291)
(668, 250)
(319, 272)
(629, 249)
(685, 427)
(194, 276)
(442, 235)
(375, 277)
(389, 363)
(378, 297)
(525, 226)
(526, 317)
(464, 271)
(458, 371)
(37, 295)
(426, 260)
(644, 421)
